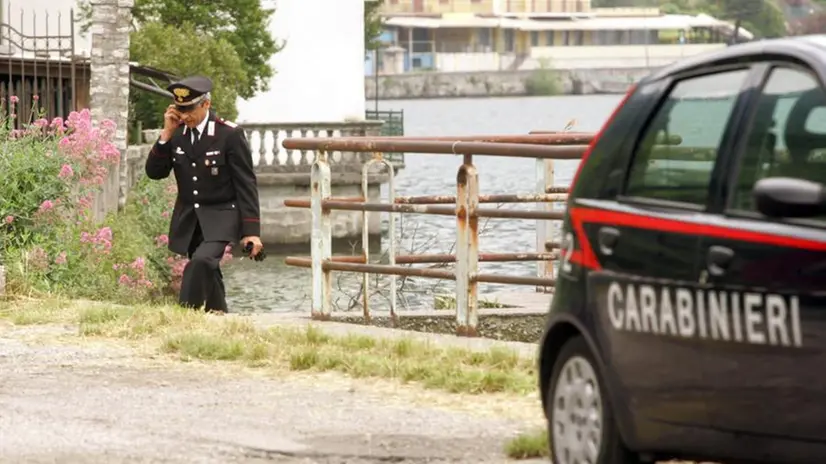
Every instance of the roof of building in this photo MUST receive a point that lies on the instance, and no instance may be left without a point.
(661, 22)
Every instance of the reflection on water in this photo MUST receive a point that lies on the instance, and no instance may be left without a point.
(273, 286)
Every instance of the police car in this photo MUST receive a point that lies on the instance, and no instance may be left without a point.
(689, 318)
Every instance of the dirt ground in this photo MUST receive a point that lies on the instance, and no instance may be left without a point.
(66, 400)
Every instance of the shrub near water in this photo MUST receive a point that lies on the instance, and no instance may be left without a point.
(51, 243)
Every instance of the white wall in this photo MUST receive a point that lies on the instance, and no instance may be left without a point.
(619, 56)
(579, 57)
(320, 72)
(38, 15)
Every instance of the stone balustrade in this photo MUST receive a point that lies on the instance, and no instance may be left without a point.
(269, 156)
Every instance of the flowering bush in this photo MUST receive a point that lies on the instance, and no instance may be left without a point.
(51, 241)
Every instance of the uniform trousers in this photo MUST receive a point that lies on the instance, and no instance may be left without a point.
(203, 282)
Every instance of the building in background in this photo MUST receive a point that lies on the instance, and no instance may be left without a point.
(508, 35)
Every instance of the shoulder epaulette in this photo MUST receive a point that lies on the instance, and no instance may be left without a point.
(226, 123)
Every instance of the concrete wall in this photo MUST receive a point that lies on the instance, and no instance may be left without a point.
(284, 225)
(320, 72)
(505, 83)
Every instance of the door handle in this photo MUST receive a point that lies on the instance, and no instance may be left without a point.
(608, 238)
(719, 259)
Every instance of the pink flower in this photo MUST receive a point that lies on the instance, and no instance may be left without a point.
(35, 97)
(14, 99)
(105, 233)
(9, 219)
(46, 206)
(124, 280)
(61, 259)
(66, 172)
(138, 264)
(162, 240)
(42, 122)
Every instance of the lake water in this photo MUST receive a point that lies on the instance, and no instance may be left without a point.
(273, 286)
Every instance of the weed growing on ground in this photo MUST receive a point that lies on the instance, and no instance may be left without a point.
(528, 445)
(190, 335)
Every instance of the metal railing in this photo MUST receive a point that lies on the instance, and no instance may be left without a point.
(40, 67)
(465, 206)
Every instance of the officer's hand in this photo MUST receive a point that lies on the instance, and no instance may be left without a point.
(171, 121)
(257, 246)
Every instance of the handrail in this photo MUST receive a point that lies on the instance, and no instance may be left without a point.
(464, 206)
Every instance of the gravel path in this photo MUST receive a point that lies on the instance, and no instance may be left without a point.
(94, 402)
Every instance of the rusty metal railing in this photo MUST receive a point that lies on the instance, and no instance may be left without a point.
(465, 206)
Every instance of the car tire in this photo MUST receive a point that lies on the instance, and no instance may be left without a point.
(581, 425)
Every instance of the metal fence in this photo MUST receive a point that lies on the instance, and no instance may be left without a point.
(393, 121)
(465, 206)
(39, 66)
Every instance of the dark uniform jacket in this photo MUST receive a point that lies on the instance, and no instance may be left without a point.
(217, 186)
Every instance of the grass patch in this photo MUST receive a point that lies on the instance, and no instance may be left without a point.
(528, 445)
(191, 335)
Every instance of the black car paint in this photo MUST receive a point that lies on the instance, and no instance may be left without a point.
(601, 178)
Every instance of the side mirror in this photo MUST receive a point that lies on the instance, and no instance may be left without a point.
(787, 197)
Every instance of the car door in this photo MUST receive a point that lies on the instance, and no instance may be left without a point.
(645, 244)
(767, 277)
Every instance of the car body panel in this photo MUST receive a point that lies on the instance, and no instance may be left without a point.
(675, 389)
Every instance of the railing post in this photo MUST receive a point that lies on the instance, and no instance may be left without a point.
(544, 228)
(321, 246)
(378, 158)
(467, 248)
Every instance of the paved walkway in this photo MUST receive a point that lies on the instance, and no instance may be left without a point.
(85, 402)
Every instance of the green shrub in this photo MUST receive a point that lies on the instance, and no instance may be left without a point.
(543, 81)
(51, 242)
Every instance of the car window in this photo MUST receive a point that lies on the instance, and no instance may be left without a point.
(676, 155)
(787, 136)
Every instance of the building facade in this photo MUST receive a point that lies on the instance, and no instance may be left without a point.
(491, 35)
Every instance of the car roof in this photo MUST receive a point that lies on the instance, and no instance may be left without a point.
(808, 48)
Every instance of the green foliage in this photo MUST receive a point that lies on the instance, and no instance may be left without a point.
(373, 24)
(543, 81)
(241, 23)
(159, 45)
(50, 239)
(763, 18)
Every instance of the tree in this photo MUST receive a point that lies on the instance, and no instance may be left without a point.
(241, 23)
(159, 45)
(373, 23)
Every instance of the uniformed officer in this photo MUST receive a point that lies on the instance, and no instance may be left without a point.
(217, 189)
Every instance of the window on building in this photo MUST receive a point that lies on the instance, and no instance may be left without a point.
(787, 137)
(534, 39)
(696, 111)
(565, 38)
(510, 42)
(484, 38)
(549, 38)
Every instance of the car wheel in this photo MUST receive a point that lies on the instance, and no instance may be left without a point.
(581, 426)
